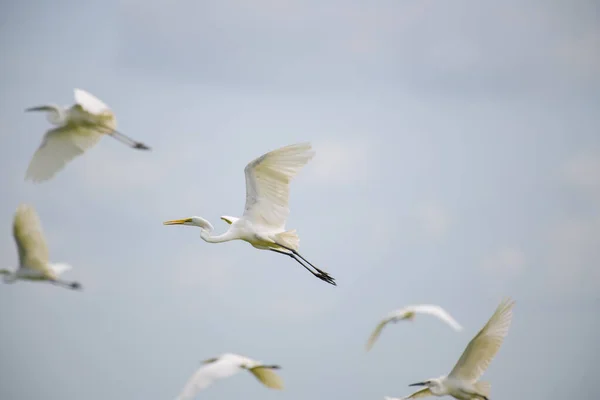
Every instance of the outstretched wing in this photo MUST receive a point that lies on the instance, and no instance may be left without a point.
(267, 377)
(438, 312)
(376, 332)
(58, 147)
(483, 347)
(206, 375)
(268, 184)
(89, 102)
(27, 231)
(416, 395)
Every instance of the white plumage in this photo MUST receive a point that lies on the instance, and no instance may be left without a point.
(34, 264)
(463, 381)
(409, 313)
(225, 366)
(78, 129)
(267, 196)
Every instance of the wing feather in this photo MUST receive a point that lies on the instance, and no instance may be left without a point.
(438, 312)
(418, 394)
(268, 184)
(31, 244)
(207, 375)
(89, 102)
(60, 146)
(375, 334)
(267, 377)
(483, 347)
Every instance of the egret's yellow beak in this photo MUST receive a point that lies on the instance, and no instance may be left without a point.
(177, 221)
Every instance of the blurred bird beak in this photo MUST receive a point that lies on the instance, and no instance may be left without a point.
(417, 384)
(177, 221)
(39, 108)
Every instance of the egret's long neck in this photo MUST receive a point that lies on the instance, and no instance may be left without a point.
(206, 235)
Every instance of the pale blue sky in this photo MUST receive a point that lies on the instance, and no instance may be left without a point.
(457, 161)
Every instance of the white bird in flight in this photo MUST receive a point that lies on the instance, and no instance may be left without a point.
(225, 366)
(267, 195)
(79, 128)
(462, 382)
(33, 252)
(408, 313)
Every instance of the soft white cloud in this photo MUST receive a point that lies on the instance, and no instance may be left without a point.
(505, 263)
(433, 219)
(342, 161)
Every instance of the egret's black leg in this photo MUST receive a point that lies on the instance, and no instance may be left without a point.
(322, 276)
(127, 140)
(304, 259)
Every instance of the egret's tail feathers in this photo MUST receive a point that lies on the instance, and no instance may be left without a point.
(289, 239)
(483, 388)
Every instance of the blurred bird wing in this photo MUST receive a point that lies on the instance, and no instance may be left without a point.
(58, 147)
(483, 347)
(90, 103)
(376, 332)
(267, 377)
(207, 375)
(438, 312)
(31, 244)
(268, 184)
(418, 394)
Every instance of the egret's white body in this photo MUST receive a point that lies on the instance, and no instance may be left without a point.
(462, 382)
(33, 252)
(225, 366)
(79, 128)
(267, 196)
(409, 313)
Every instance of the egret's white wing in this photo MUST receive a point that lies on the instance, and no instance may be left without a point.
(58, 147)
(376, 332)
(207, 375)
(32, 247)
(89, 102)
(483, 347)
(408, 312)
(268, 184)
(416, 395)
(439, 312)
(267, 377)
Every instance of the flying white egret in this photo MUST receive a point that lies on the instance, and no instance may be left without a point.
(79, 128)
(225, 366)
(267, 195)
(33, 252)
(408, 313)
(462, 382)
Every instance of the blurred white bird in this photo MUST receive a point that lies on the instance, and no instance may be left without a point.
(225, 366)
(33, 252)
(408, 313)
(463, 381)
(267, 195)
(79, 128)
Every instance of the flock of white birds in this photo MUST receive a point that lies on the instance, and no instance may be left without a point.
(262, 224)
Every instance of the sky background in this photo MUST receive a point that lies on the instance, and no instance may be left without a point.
(457, 162)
